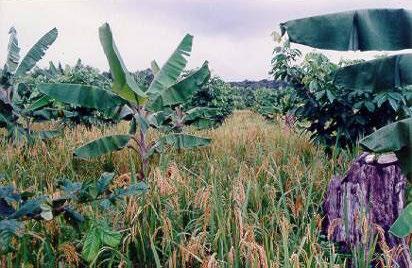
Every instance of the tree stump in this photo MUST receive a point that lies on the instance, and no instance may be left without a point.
(363, 205)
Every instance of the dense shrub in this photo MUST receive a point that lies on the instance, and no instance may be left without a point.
(215, 94)
(244, 97)
(78, 74)
(335, 116)
(269, 102)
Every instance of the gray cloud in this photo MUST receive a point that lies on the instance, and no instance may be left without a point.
(234, 35)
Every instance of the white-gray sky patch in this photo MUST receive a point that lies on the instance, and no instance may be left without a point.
(234, 35)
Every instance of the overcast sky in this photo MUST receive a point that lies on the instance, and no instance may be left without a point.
(234, 35)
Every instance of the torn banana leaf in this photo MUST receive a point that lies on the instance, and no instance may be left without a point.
(380, 74)
(395, 137)
(367, 29)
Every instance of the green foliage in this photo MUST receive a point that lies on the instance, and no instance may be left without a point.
(99, 235)
(123, 83)
(382, 79)
(16, 96)
(216, 95)
(402, 227)
(269, 102)
(71, 114)
(336, 115)
(19, 209)
(102, 146)
(364, 30)
(244, 98)
(158, 106)
(383, 141)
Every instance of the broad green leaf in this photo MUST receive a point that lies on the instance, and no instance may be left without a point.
(13, 226)
(36, 52)
(174, 66)
(133, 126)
(102, 146)
(126, 112)
(32, 206)
(132, 190)
(330, 96)
(123, 83)
(159, 119)
(13, 51)
(40, 103)
(81, 95)
(379, 74)
(368, 29)
(48, 134)
(91, 245)
(394, 104)
(46, 212)
(104, 182)
(110, 238)
(6, 115)
(182, 91)
(5, 209)
(98, 235)
(200, 113)
(72, 216)
(53, 70)
(142, 123)
(155, 67)
(395, 137)
(370, 106)
(402, 227)
(178, 141)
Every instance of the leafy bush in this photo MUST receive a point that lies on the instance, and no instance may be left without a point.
(71, 115)
(23, 213)
(335, 115)
(18, 103)
(217, 95)
(244, 98)
(269, 102)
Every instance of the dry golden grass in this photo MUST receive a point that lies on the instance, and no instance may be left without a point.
(250, 199)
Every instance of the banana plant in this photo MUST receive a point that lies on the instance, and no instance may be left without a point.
(365, 30)
(17, 103)
(17, 208)
(152, 107)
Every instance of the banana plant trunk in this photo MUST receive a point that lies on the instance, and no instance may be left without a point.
(360, 207)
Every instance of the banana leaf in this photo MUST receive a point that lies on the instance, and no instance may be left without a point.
(13, 51)
(82, 95)
(40, 103)
(368, 29)
(36, 52)
(181, 92)
(155, 67)
(395, 137)
(123, 83)
(102, 146)
(177, 141)
(48, 134)
(200, 113)
(380, 74)
(172, 69)
(402, 227)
